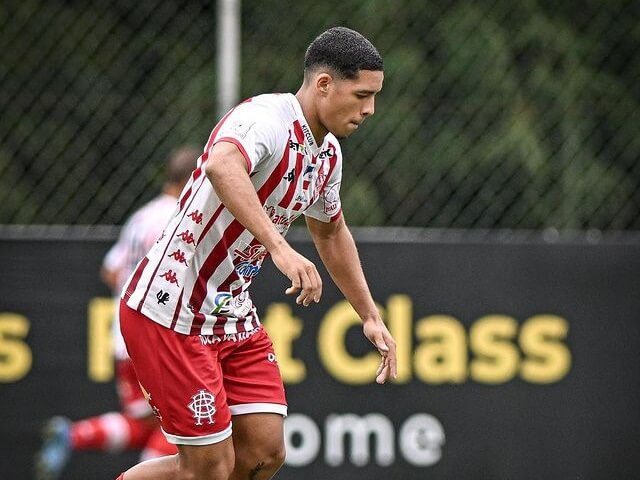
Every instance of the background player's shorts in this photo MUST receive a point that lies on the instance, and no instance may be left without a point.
(195, 383)
(131, 397)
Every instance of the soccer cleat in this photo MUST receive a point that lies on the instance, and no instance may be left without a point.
(55, 451)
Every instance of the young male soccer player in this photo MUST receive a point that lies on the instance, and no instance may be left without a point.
(134, 427)
(187, 318)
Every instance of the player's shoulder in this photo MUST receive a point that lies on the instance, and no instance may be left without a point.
(270, 105)
(272, 111)
(332, 141)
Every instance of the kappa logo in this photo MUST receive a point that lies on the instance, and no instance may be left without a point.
(196, 216)
(170, 276)
(203, 406)
(178, 255)
(187, 237)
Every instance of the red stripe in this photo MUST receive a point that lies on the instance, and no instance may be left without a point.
(209, 224)
(297, 206)
(164, 253)
(176, 313)
(135, 279)
(215, 131)
(233, 276)
(332, 164)
(237, 143)
(220, 250)
(286, 200)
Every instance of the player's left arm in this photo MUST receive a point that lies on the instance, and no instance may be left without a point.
(339, 254)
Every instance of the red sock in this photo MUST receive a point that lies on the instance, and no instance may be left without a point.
(111, 432)
(157, 446)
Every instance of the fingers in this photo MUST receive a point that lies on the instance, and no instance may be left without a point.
(388, 367)
(306, 280)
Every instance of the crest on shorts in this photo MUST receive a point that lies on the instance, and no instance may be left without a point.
(203, 406)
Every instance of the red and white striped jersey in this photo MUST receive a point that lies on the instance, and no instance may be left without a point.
(138, 235)
(195, 279)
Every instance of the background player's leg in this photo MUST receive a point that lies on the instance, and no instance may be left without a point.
(258, 440)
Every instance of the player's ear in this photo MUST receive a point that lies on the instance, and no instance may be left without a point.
(323, 83)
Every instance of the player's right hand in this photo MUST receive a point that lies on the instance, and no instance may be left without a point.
(305, 279)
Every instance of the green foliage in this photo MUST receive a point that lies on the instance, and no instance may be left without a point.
(493, 114)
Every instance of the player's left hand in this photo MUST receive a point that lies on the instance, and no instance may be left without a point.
(377, 333)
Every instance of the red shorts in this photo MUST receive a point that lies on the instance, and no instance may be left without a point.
(195, 384)
(131, 397)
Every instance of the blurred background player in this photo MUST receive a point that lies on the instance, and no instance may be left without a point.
(134, 427)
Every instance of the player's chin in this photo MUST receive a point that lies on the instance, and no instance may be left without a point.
(346, 131)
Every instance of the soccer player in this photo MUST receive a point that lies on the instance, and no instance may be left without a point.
(134, 427)
(186, 316)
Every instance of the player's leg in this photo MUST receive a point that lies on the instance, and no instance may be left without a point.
(111, 432)
(157, 446)
(259, 446)
(182, 381)
(256, 398)
(206, 462)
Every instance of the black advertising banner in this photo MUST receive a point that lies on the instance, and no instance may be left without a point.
(518, 360)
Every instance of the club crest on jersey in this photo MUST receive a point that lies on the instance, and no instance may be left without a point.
(203, 406)
(250, 259)
(332, 199)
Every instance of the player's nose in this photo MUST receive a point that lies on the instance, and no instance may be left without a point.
(369, 108)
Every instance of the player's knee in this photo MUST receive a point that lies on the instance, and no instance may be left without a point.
(266, 458)
(207, 468)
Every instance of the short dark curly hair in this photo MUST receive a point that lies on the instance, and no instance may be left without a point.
(344, 51)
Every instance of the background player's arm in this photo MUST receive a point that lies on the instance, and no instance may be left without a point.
(227, 171)
(339, 254)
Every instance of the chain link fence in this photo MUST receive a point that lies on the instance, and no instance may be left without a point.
(494, 114)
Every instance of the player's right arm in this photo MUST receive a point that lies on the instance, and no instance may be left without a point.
(226, 169)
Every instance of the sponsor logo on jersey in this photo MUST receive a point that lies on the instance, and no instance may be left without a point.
(298, 147)
(308, 135)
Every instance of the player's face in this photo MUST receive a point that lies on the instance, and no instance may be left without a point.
(348, 102)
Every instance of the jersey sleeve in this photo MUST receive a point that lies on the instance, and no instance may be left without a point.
(328, 207)
(256, 133)
(116, 257)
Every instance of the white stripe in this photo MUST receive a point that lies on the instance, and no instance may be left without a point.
(204, 440)
(117, 430)
(138, 409)
(245, 408)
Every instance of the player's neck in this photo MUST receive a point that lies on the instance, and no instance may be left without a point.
(308, 110)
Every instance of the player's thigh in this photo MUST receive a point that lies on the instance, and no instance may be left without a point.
(251, 376)
(205, 461)
(182, 379)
